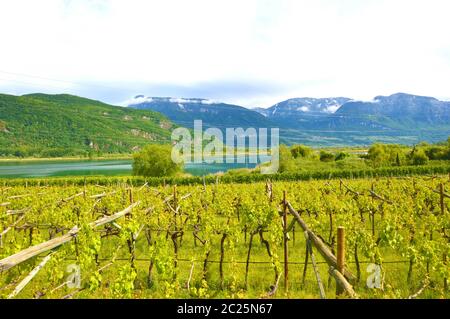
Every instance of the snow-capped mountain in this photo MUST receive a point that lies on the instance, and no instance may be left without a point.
(304, 105)
(184, 111)
(328, 121)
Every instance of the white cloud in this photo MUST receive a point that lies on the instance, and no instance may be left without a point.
(136, 100)
(313, 48)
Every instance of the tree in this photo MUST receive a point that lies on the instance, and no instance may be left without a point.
(377, 155)
(341, 156)
(387, 154)
(300, 151)
(286, 160)
(155, 161)
(435, 152)
(418, 157)
(326, 156)
(397, 161)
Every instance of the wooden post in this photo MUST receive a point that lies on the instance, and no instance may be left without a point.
(286, 258)
(84, 189)
(445, 279)
(131, 196)
(323, 249)
(340, 256)
(441, 191)
(175, 197)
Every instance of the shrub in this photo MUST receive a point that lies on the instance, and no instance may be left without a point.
(326, 156)
(341, 156)
(301, 151)
(286, 160)
(418, 157)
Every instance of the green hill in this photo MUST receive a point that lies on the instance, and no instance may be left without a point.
(43, 125)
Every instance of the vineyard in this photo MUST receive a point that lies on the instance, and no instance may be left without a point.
(355, 238)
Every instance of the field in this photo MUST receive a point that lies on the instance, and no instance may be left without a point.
(227, 240)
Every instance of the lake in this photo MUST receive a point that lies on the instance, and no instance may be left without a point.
(26, 169)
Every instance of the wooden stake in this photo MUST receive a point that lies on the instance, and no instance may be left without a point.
(316, 270)
(131, 196)
(175, 204)
(30, 276)
(340, 256)
(286, 258)
(305, 267)
(441, 191)
(84, 189)
(319, 244)
(445, 279)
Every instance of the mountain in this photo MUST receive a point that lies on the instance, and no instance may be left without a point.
(57, 125)
(399, 118)
(294, 112)
(60, 125)
(184, 111)
(398, 111)
(404, 108)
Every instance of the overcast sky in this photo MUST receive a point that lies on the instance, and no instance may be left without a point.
(249, 52)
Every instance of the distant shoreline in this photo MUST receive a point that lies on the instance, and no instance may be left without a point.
(350, 149)
(69, 158)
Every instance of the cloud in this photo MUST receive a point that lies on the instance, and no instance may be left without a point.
(136, 100)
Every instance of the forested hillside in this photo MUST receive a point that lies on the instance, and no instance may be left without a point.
(59, 125)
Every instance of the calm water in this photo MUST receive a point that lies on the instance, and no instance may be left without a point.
(98, 168)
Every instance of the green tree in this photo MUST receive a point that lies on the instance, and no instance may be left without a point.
(155, 161)
(301, 151)
(326, 156)
(387, 154)
(436, 152)
(418, 157)
(341, 156)
(397, 160)
(287, 163)
(377, 155)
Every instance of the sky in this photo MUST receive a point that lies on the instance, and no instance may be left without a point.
(253, 53)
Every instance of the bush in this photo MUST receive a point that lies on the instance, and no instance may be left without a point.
(387, 155)
(155, 161)
(341, 156)
(418, 157)
(326, 156)
(435, 153)
(301, 151)
(287, 163)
